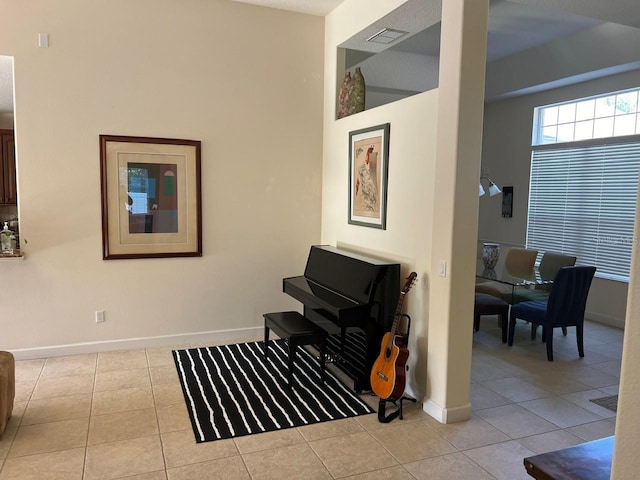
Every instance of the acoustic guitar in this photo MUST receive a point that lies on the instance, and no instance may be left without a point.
(388, 372)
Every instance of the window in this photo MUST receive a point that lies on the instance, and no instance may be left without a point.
(611, 115)
(583, 191)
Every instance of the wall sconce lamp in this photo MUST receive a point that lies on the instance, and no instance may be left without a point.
(493, 188)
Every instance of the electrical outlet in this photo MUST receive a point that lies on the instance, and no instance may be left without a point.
(99, 316)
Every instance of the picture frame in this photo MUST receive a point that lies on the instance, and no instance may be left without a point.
(368, 176)
(151, 197)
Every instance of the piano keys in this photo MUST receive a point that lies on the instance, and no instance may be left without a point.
(353, 297)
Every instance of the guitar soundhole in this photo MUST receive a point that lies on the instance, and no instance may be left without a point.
(387, 353)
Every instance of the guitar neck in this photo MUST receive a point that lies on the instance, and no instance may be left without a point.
(396, 316)
(403, 293)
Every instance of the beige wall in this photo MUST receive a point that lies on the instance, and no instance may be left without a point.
(506, 158)
(246, 81)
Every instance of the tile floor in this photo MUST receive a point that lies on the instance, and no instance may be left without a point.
(121, 415)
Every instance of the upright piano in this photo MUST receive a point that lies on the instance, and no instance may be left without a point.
(353, 297)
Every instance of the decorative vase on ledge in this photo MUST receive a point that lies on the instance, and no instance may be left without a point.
(490, 254)
(357, 99)
(344, 93)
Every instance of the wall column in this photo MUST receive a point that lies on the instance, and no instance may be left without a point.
(455, 228)
(626, 461)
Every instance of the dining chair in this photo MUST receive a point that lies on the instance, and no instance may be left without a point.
(489, 305)
(564, 308)
(518, 262)
(550, 263)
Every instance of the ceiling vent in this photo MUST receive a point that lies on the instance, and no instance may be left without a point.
(386, 36)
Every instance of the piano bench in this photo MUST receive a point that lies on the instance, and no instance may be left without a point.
(298, 330)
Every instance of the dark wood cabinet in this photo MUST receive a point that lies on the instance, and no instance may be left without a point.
(8, 190)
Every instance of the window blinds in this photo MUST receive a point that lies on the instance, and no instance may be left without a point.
(582, 202)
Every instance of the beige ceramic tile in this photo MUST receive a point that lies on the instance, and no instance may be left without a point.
(28, 370)
(112, 401)
(231, 468)
(335, 428)
(50, 437)
(593, 430)
(268, 440)
(63, 386)
(472, 433)
(393, 473)
(291, 462)
(124, 458)
(455, 466)
(558, 383)
(180, 448)
(162, 355)
(548, 442)
(482, 397)
(17, 414)
(24, 390)
(164, 374)
(119, 379)
(502, 460)
(352, 454)
(516, 389)
(516, 421)
(173, 418)
(561, 412)
(411, 412)
(412, 441)
(168, 394)
(161, 475)
(583, 399)
(121, 360)
(58, 408)
(122, 425)
(70, 365)
(65, 464)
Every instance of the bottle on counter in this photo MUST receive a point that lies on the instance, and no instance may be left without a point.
(6, 246)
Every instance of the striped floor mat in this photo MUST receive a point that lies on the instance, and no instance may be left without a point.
(230, 391)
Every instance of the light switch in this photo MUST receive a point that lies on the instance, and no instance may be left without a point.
(43, 40)
(442, 268)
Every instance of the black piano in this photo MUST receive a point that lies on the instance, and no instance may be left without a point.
(353, 297)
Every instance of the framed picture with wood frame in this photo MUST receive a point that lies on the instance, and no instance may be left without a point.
(151, 197)
(368, 172)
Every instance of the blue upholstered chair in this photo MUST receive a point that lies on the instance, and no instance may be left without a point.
(564, 308)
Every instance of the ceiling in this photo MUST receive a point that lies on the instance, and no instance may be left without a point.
(311, 7)
(513, 27)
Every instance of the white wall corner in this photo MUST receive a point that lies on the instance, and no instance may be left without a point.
(447, 415)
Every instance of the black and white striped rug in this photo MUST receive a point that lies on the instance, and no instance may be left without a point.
(230, 391)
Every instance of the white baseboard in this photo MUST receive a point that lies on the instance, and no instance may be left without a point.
(183, 339)
(612, 322)
(447, 415)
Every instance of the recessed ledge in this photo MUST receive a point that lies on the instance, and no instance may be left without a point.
(17, 255)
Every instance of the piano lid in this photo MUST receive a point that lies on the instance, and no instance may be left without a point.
(349, 274)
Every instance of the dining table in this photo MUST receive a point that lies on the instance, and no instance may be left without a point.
(516, 278)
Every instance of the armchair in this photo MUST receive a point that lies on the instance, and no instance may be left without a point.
(564, 308)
